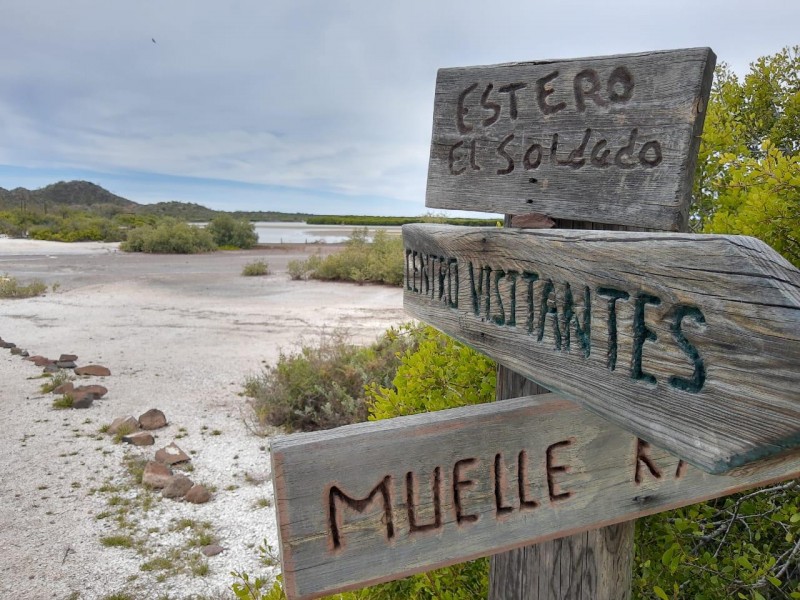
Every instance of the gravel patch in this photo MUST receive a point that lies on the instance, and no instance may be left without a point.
(180, 334)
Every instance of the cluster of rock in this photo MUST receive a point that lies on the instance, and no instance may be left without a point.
(82, 395)
(68, 361)
(158, 472)
(13, 347)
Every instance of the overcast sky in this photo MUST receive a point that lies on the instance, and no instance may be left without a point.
(320, 107)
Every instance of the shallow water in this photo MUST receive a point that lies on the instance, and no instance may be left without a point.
(303, 233)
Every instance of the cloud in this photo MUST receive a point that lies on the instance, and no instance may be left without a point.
(332, 97)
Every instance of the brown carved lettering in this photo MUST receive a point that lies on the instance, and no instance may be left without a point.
(591, 77)
(543, 91)
(459, 485)
(643, 459)
(522, 482)
(499, 485)
(411, 502)
(383, 489)
(553, 487)
(462, 110)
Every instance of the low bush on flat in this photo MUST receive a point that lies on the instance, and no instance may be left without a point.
(256, 268)
(323, 384)
(10, 287)
(64, 225)
(304, 269)
(361, 260)
(228, 232)
(169, 237)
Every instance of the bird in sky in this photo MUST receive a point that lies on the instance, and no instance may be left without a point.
(154, 40)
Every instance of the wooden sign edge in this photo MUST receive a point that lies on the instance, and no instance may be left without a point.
(595, 57)
(545, 402)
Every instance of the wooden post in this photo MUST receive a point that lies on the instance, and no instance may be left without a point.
(591, 565)
(547, 571)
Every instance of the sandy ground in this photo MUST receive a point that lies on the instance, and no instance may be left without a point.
(179, 333)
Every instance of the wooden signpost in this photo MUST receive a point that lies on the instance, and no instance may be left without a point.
(689, 342)
(376, 501)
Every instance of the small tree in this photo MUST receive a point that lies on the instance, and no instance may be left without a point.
(748, 174)
(231, 232)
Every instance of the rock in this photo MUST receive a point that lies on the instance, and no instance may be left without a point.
(65, 388)
(212, 549)
(67, 358)
(171, 455)
(7, 345)
(177, 487)
(51, 368)
(65, 364)
(16, 351)
(82, 400)
(197, 495)
(40, 361)
(80, 394)
(96, 370)
(24, 353)
(128, 423)
(156, 475)
(98, 390)
(140, 438)
(153, 419)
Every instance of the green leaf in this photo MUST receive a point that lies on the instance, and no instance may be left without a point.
(660, 593)
(666, 558)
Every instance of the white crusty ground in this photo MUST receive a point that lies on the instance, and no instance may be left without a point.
(180, 335)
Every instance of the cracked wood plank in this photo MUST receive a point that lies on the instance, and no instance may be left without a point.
(691, 342)
(371, 502)
(609, 139)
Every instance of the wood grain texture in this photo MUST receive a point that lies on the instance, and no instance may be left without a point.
(691, 342)
(590, 565)
(579, 472)
(493, 147)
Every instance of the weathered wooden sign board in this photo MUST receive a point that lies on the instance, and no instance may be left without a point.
(691, 342)
(606, 139)
(375, 501)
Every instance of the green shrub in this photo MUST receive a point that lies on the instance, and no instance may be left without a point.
(117, 541)
(11, 288)
(64, 225)
(256, 268)
(361, 260)
(303, 269)
(64, 402)
(232, 233)
(740, 546)
(169, 237)
(322, 385)
(439, 373)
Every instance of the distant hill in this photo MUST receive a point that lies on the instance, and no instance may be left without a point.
(185, 211)
(75, 194)
(84, 195)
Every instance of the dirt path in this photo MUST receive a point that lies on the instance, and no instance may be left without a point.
(180, 333)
